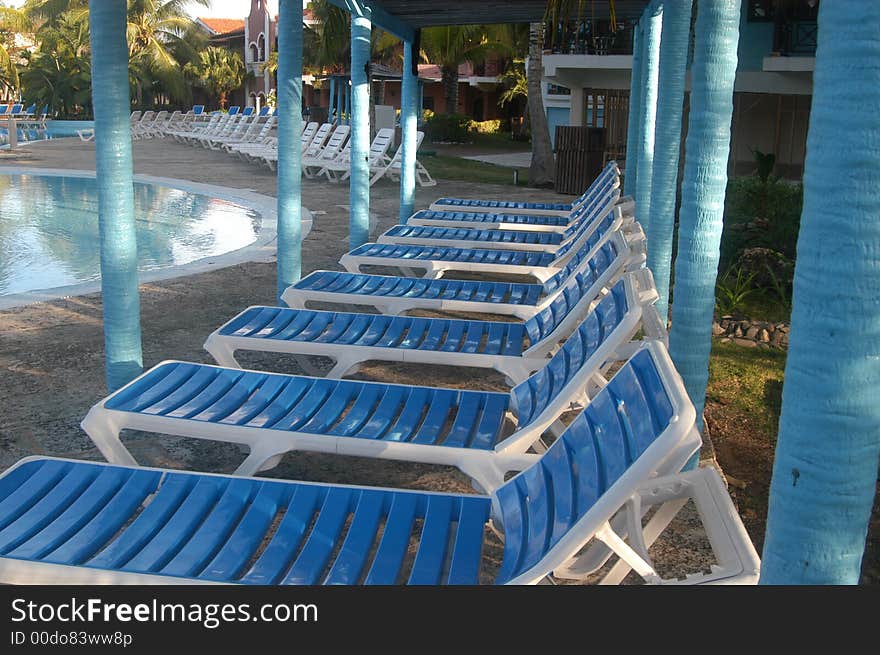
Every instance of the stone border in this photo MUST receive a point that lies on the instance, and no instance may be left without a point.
(751, 334)
(263, 249)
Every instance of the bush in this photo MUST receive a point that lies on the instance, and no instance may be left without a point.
(761, 214)
(449, 128)
(486, 127)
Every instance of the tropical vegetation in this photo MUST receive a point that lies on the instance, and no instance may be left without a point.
(45, 57)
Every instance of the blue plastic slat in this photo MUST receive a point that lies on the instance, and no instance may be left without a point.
(248, 534)
(395, 538)
(279, 553)
(313, 558)
(433, 542)
(174, 534)
(352, 557)
(26, 485)
(212, 534)
(174, 488)
(464, 565)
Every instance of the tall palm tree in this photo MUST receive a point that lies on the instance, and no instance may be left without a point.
(218, 71)
(12, 22)
(449, 47)
(155, 31)
(542, 166)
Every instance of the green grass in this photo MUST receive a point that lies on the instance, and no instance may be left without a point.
(468, 170)
(749, 382)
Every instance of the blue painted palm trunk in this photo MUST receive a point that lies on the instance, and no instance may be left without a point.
(113, 163)
(359, 189)
(409, 124)
(648, 108)
(667, 143)
(289, 149)
(632, 128)
(825, 471)
(702, 193)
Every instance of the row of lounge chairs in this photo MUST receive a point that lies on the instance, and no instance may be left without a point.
(564, 495)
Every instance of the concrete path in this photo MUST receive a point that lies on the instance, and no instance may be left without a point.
(509, 159)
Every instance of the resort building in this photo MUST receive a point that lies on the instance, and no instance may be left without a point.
(588, 67)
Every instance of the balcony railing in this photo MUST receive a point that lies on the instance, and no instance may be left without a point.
(589, 37)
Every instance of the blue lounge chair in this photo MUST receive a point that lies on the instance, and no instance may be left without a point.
(514, 349)
(519, 207)
(68, 522)
(463, 236)
(395, 295)
(435, 261)
(274, 414)
(536, 222)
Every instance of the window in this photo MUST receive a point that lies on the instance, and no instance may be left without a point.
(261, 42)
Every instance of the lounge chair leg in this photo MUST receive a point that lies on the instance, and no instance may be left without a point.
(105, 435)
(342, 367)
(259, 459)
(222, 352)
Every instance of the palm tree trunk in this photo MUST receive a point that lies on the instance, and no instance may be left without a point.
(450, 85)
(541, 170)
(825, 470)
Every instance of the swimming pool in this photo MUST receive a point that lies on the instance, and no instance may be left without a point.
(49, 230)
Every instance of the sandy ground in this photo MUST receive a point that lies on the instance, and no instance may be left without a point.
(51, 354)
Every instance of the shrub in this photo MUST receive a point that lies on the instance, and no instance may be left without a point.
(761, 214)
(486, 127)
(449, 128)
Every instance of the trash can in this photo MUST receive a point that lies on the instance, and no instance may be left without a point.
(579, 154)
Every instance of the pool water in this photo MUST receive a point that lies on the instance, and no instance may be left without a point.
(49, 230)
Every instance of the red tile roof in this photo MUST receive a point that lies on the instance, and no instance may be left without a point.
(223, 25)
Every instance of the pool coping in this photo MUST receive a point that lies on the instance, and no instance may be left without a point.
(263, 249)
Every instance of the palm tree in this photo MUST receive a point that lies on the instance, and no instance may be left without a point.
(12, 22)
(542, 166)
(156, 30)
(449, 47)
(218, 71)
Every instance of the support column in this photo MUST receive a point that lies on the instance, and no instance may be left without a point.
(409, 122)
(825, 471)
(632, 129)
(648, 105)
(359, 182)
(113, 164)
(667, 143)
(289, 149)
(702, 190)
(331, 103)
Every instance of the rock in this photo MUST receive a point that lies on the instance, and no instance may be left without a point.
(726, 340)
(724, 323)
(783, 341)
(737, 332)
(752, 332)
(762, 346)
(748, 343)
(786, 328)
(717, 329)
(764, 336)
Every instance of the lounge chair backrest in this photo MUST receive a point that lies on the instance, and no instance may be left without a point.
(541, 507)
(135, 116)
(198, 109)
(535, 394)
(609, 170)
(381, 143)
(575, 236)
(16, 109)
(45, 111)
(316, 144)
(335, 143)
(31, 109)
(3, 109)
(544, 323)
(309, 132)
(247, 111)
(233, 110)
(264, 111)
